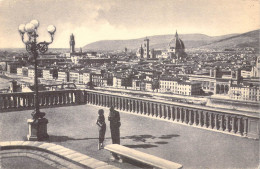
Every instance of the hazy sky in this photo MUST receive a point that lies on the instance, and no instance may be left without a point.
(93, 20)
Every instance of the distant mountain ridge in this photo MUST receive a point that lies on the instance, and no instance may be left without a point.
(248, 39)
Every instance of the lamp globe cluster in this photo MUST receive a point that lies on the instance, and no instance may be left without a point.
(32, 27)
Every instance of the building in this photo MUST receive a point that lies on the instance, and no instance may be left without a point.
(12, 67)
(20, 71)
(74, 76)
(63, 76)
(176, 49)
(31, 72)
(176, 86)
(245, 92)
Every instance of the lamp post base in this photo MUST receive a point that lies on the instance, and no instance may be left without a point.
(37, 129)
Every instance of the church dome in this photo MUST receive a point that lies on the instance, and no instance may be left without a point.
(176, 43)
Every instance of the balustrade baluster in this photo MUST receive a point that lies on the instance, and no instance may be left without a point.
(200, 118)
(239, 125)
(227, 123)
(177, 116)
(221, 128)
(148, 111)
(233, 129)
(151, 109)
(205, 120)
(181, 115)
(158, 111)
(195, 117)
(173, 109)
(190, 116)
(245, 126)
(210, 120)
(216, 121)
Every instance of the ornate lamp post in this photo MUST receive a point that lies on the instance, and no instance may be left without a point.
(38, 124)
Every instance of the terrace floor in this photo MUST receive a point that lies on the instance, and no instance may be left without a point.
(74, 127)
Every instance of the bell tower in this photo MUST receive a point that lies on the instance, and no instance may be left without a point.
(72, 44)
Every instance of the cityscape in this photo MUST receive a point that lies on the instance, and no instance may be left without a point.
(186, 100)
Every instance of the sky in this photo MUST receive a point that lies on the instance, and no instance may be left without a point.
(94, 20)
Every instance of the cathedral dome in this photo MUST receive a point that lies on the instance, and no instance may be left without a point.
(176, 43)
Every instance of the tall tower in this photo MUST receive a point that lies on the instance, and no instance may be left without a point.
(72, 44)
(146, 48)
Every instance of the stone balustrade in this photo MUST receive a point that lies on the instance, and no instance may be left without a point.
(21, 101)
(244, 124)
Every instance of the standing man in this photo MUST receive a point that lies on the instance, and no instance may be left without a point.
(114, 118)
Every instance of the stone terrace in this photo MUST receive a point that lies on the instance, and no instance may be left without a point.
(74, 127)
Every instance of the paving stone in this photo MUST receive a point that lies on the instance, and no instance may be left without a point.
(6, 143)
(67, 152)
(107, 167)
(29, 143)
(71, 156)
(97, 164)
(37, 143)
(56, 147)
(61, 150)
(73, 166)
(81, 158)
(16, 143)
(88, 161)
(46, 145)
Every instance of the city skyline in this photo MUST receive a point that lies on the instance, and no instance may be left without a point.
(92, 21)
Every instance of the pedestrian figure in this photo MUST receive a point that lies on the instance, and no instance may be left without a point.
(114, 118)
(101, 128)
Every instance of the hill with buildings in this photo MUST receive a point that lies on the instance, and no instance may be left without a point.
(249, 39)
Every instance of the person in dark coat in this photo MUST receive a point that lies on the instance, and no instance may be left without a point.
(114, 118)
(101, 128)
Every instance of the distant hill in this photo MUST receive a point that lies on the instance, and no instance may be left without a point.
(249, 39)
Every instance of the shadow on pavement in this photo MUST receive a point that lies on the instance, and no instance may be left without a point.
(169, 136)
(141, 146)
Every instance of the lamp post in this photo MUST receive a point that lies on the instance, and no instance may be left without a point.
(38, 124)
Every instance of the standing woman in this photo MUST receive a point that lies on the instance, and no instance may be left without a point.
(101, 128)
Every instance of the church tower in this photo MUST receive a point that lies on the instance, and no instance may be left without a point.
(72, 44)
(146, 48)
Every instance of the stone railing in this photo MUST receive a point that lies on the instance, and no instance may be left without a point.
(244, 124)
(21, 101)
(232, 122)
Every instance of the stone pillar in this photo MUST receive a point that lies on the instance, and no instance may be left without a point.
(200, 118)
(210, 120)
(144, 110)
(176, 109)
(205, 120)
(227, 123)
(151, 109)
(216, 121)
(245, 126)
(181, 114)
(159, 110)
(233, 130)
(221, 128)
(239, 126)
(37, 129)
(147, 108)
(195, 117)
(190, 116)
(138, 106)
(185, 115)
(164, 111)
(172, 113)
(155, 110)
